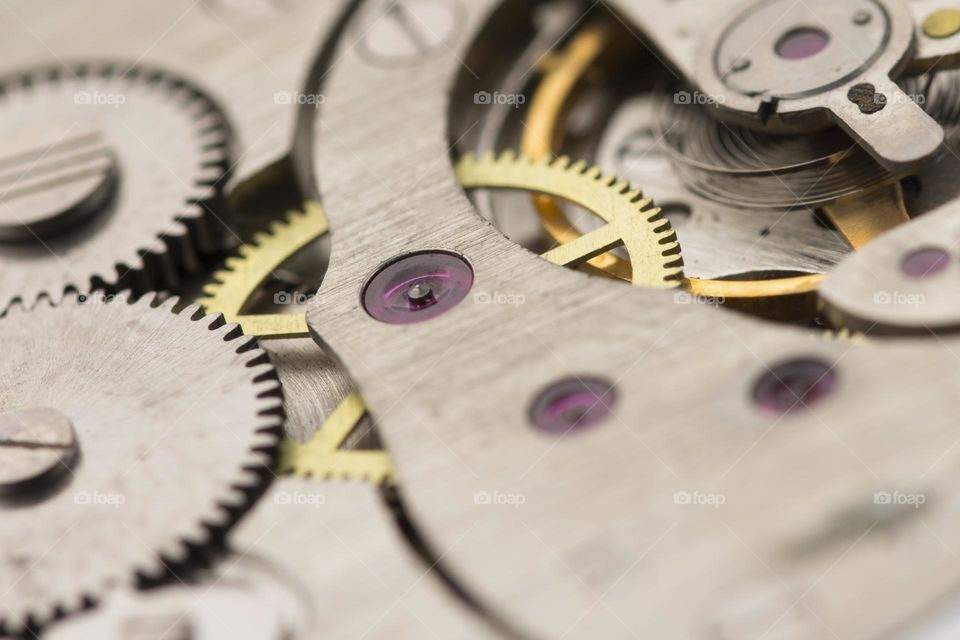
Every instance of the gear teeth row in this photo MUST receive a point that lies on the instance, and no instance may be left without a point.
(230, 288)
(251, 478)
(563, 178)
(194, 228)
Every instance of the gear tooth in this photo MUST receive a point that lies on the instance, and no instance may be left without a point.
(233, 263)
(508, 156)
(579, 167)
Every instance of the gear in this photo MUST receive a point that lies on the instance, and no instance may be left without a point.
(233, 287)
(630, 219)
(328, 453)
(172, 420)
(108, 174)
(323, 456)
(859, 217)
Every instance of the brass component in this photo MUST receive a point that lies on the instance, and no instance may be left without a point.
(245, 274)
(542, 133)
(321, 457)
(863, 216)
(859, 218)
(630, 219)
(942, 23)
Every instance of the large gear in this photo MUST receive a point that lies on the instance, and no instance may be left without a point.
(630, 219)
(110, 173)
(175, 420)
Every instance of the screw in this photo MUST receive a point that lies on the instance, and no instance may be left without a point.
(37, 445)
(61, 181)
(573, 404)
(409, 30)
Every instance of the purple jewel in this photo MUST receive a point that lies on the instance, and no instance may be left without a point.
(417, 287)
(794, 385)
(802, 43)
(925, 262)
(573, 404)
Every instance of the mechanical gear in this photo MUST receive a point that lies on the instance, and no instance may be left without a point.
(177, 419)
(234, 286)
(109, 171)
(323, 456)
(630, 219)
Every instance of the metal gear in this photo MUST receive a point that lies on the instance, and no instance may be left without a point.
(109, 172)
(233, 287)
(326, 451)
(324, 457)
(176, 419)
(630, 219)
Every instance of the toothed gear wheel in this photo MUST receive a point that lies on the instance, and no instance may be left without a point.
(177, 419)
(106, 177)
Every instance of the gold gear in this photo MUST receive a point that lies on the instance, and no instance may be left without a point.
(246, 273)
(322, 458)
(630, 219)
(859, 218)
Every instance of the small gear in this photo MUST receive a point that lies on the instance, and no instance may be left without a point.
(630, 219)
(233, 287)
(324, 457)
(107, 178)
(131, 437)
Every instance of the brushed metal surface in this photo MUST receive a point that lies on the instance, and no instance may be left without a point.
(603, 543)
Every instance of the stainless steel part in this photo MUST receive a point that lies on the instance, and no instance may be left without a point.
(245, 598)
(252, 68)
(37, 445)
(717, 241)
(176, 418)
(874, 290)
(311, 562)
(160, 152)
(844, 79)
(595, 535)
(314, 384)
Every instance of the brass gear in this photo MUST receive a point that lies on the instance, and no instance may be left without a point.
(859, 218)
(323, 458)
(630, 219)
(234, 286)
